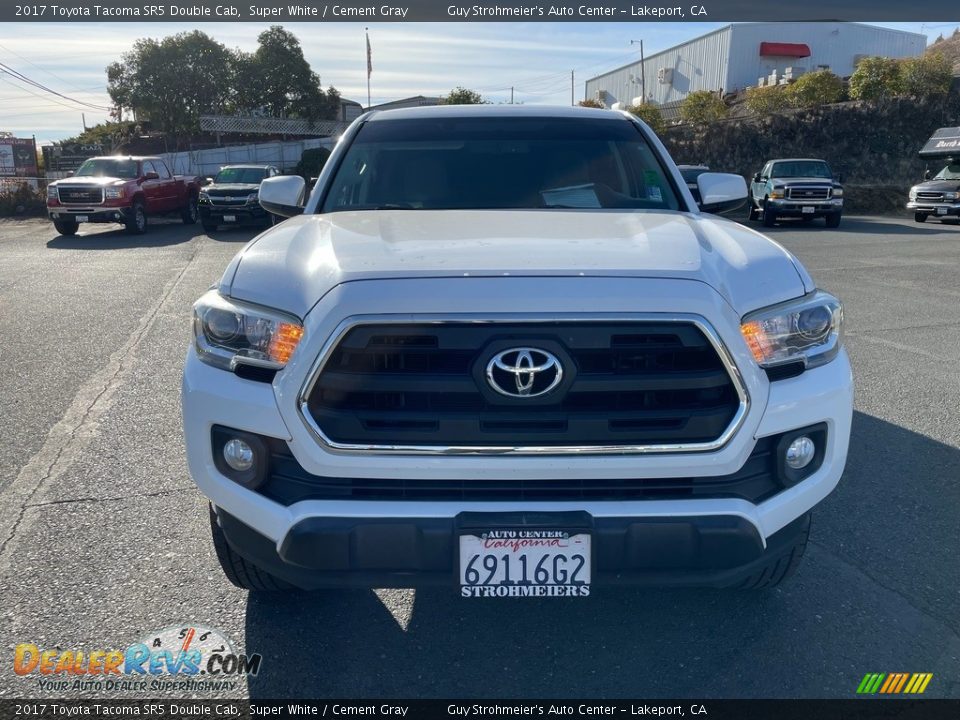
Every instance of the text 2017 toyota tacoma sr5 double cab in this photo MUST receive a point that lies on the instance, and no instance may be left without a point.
(503, 350)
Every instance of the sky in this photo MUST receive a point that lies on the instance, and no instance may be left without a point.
(408, 59)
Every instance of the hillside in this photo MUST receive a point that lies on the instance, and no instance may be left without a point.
(949, 47)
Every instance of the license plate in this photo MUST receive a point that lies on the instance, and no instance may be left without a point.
(525, 563)
(83, 218)
(229, 218)
(941, 211)
(808, 209)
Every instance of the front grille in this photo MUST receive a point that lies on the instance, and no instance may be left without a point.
(80, 195)
(288, 483)
(626, 384)
(808, 193)
(229, 197)
(930, 196)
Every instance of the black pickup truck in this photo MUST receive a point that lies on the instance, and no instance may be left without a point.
(804, 188)
(233, 197)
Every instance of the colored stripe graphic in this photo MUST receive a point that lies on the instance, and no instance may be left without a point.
(894, 683)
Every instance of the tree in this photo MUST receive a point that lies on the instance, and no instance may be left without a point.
(591, 103)
(461, 96)
(816, 88)
(767, 100)
(875, 78)
(286, 84)
(650, 114)
(111, 136)
(173, 81)
(926, 75)
(702, 107)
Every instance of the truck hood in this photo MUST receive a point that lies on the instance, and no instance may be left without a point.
(938, 186)
(802, 181)
(290, 267)
(232, 187)
(90, 180)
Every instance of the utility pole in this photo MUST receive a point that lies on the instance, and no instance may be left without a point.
(571, 88)
(511, 94)
(643, 74)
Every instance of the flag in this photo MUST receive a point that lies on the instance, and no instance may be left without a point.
(369, 58)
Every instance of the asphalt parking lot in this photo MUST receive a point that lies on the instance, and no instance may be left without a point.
(103, 537)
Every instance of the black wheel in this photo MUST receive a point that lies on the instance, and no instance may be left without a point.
(66, 227)
(240, 572)
(754, 213)
(190, 213)
(209, 226)
(769, 216)
(920, 217)
(833, 220)
(783, 566)
(137, 222)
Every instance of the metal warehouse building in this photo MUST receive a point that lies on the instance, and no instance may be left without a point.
(740, 55)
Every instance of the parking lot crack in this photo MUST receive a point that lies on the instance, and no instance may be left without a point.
(119, 498)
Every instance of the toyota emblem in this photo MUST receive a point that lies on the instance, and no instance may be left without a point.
(524, 372)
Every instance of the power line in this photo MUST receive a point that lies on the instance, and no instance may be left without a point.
(17, 75)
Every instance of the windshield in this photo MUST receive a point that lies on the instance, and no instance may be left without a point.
(801, 168)
(243, 175)
(950, 172)
(108, 167)
(499, 163)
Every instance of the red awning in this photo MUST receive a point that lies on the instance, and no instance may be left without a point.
(797, 50)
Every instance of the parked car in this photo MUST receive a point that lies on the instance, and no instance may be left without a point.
(121, 189)
(802, 188)
(938, 195)
(233, 197)
(502, 349)
(690, 173)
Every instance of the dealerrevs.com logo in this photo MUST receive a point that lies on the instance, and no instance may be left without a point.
(189, 657)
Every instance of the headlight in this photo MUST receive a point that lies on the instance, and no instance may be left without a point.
(52, 193)
(777, 194)
(913, 193)
(838, 192)
(228, 333)
(807, 330)
(113, 193)
(253, 197)
(950, 195)
(203, 196)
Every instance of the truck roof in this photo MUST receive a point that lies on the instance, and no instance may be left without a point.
(138, 158)
(544, 111)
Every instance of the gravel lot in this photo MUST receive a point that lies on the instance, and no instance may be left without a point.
(103, 537)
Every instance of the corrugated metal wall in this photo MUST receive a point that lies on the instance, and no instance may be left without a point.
(697, 65)
(835, 44)
(729, 58)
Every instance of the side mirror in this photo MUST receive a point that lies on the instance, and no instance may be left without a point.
(207, 181)
(71, 172)
(926, 174)
(721, 192)
(151, 176)
(283, 195)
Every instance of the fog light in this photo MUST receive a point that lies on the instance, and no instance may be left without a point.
(799, 453)
(239, 455)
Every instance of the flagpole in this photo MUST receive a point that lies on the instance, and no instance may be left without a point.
(369, 66)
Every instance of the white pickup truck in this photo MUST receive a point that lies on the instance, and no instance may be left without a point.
(502, 349)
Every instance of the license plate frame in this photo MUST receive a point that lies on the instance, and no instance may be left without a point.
(808, 210)
(525, 562)
(941, 211)
(229, 218)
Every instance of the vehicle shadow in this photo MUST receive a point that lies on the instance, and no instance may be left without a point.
(857, 224)
(235, 233)
(807, 638)
(157, 235)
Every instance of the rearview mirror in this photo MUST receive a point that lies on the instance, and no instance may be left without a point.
(721, 192)
(283, 195)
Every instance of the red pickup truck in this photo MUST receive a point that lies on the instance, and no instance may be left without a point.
(121, 189)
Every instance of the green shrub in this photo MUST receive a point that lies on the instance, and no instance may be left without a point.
(462, 96)
(22, 200)
(876, 78)
(816, 88)
(767, 100)
(591, 103)
(926, 75)
(702, 107)
(650, 114)
(311, 162)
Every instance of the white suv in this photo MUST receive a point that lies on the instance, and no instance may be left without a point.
(502, 349)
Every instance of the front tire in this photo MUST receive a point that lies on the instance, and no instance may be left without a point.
(190, 213)
(137, 223)
(833, 220)
(782, 567)
(66, 227)
(920, 217)
(769, 216)
(242, 573)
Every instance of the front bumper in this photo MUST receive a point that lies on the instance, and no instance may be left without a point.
(935, 209)
(90, 215)
(794, 208)
(242, 214)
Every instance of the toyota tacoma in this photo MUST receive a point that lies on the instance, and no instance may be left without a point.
(121, 189)
(504, 350)
(796, 188)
